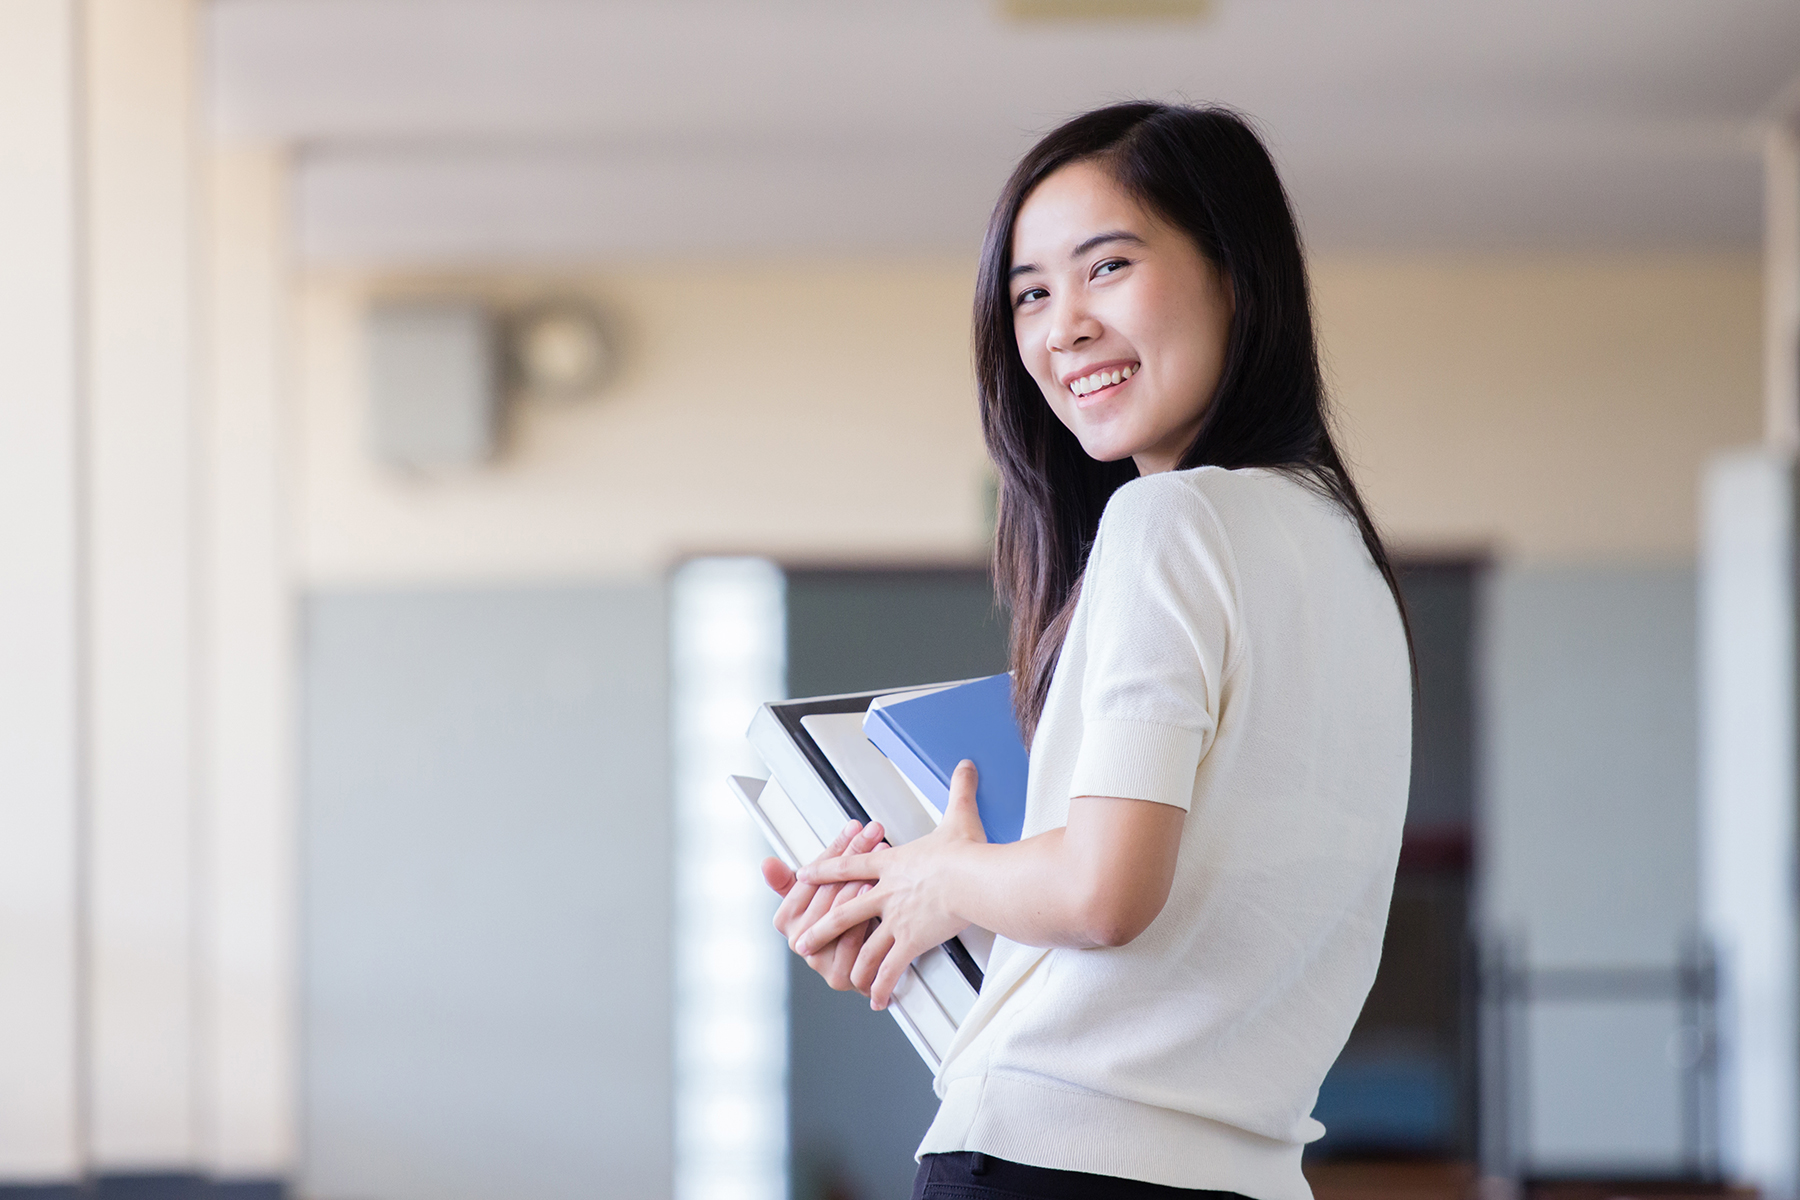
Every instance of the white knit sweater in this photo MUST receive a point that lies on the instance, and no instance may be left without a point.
(1236, 654)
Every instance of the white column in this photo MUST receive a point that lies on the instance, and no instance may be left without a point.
(1749, 706)
(39, 594)
(141, 516)
(248, 833)
(728, 641)
(1747, 796)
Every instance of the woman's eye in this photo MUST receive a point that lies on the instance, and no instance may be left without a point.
(1109, 266)
(1030, 294)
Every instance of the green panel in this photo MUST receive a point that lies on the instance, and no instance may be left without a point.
(853, 630)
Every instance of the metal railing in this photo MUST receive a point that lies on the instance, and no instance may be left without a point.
(1511, 990)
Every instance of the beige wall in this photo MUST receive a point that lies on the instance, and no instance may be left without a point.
(1543, 408)
(1546, 409)
(819, 411)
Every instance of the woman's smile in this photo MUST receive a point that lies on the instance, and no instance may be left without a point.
(1090, 385)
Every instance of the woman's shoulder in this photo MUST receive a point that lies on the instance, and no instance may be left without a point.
(1214, 496)
(1228, 520)
(1166, 525)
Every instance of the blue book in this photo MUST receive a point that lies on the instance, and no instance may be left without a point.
(925, 736)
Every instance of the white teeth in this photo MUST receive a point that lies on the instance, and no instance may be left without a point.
(1100, 379)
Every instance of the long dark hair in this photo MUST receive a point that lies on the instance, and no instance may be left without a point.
(1204, 171)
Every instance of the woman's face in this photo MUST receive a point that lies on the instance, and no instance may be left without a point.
(1103, 290)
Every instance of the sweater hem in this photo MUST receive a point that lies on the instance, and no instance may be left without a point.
(1044, 1125)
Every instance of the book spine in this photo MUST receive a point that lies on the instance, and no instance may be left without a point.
(891, 741)
(789, 767)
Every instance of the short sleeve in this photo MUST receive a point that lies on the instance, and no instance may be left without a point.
(1158, 614)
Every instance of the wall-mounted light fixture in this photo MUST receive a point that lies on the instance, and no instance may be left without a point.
(559, 349)
(440, 370)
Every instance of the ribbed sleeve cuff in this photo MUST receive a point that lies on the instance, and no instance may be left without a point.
(1138, 760)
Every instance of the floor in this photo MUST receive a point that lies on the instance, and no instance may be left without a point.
(1458, 1181)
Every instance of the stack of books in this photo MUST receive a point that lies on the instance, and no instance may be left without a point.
(887, 756)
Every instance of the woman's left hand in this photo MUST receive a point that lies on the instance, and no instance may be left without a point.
(909, 896)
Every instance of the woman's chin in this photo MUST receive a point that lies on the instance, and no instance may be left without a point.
(1108, 450)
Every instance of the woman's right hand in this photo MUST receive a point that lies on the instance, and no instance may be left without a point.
(802, 904)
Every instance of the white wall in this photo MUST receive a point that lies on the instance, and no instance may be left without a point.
(246, 855)
(141, 515)
(40, 593)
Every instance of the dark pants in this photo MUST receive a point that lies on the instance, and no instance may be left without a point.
(968, 1176)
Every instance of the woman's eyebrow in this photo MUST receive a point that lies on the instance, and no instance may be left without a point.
(1100, 239)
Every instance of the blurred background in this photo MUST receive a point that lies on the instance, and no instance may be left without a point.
(429, 427)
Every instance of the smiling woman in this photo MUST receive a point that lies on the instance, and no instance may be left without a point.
(1211, 667)
(1226, 308)
(1135, 300)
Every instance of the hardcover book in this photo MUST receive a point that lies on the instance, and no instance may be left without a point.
(925, 732)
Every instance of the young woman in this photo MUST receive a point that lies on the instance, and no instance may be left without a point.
(1211, 668)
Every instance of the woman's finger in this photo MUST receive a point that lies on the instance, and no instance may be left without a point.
(850, 891)
(961, 812)
(849, 943)
(868, 962)
(893, 968)
(792, 905)
(843, 868)
(823, 965)
(778, 876)
(845, 916)
(866, 840)
(842, 957)
(854, 838)
(799, 897)
(821, 904)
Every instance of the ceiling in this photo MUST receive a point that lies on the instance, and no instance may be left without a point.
(502, 131)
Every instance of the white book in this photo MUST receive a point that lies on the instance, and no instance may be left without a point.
(825, 772)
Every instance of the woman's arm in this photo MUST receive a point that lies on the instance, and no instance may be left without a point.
(1099, 881)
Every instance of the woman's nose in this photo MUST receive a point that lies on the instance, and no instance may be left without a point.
(1072, 325)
